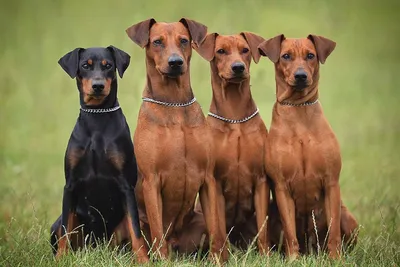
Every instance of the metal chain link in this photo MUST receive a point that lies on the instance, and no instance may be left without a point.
(146, 99)
(231, 120)
(100, 110)
(299, 105)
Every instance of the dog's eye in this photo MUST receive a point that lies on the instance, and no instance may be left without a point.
(310, 56)
(85, 66)
(221, 51)
(245, 50)
(184, 41)
(286, 56)
(157, 42)
(108, 66)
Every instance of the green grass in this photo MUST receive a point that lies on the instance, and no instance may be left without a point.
(359, 87)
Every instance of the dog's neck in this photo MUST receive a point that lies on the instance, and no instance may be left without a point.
(287, 94)
(231, 100)
(296, 114)
(162, 88)
(109, 102)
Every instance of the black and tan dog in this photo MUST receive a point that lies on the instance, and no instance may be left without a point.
(100, 166)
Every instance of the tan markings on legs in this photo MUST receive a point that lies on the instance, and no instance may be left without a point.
(68, 238)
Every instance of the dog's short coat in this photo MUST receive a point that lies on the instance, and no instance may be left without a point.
(173, 143)
(100, 166)
(238, 147)
(302, 153)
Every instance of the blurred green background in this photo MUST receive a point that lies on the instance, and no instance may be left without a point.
(359, 88)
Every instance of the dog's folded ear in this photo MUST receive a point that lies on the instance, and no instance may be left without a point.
(70, 62)
(139, 33)
(253, 40)
(271, 48)
(323, 45)
(197, 30)
(122, 59)
(206, 48)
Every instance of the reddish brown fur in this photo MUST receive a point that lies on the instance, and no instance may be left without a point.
(104, 62)
(90, 61)
(240, 171)
(180, 165)
(302, 152)
(138, 244)
(89, 97)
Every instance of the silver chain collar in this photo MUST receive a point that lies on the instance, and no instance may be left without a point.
(100, 110)
(146, 99)
(231, 120)
(299, 105)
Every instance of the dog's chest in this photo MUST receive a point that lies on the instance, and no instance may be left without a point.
(304, 161)
(96, 157)
(174, 151)
(238, 154)
(239, 164)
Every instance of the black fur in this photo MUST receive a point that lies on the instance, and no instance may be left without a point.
(99, 190)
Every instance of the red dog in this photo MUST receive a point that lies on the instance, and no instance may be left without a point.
(302, 152)
(173, 144)
(239, 136)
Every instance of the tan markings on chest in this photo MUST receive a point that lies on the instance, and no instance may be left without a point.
(74, 155)
(117, 159)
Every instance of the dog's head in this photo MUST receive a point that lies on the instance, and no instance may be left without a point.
(231, 54)
(297, 60)
(95, 70)
(168, 45)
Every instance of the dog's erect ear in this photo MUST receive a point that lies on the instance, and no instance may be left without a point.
(206, 48)
(323, 45)
(271, 48)
(139, 33)
(254, 41)
(122, 59)
(197, 30)
(70, 62)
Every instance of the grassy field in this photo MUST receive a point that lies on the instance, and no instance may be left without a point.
(39, 105)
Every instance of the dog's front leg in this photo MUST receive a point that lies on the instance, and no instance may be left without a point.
(261, 204)
(332, 206)
(286, 209)
(221, 210)
(209, 205)
(69, 221)
(137, 240)
(154, 210)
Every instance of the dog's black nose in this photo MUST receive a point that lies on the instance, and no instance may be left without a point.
(97, 86)
(238, 67)
(175, 61)
(300, 76)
